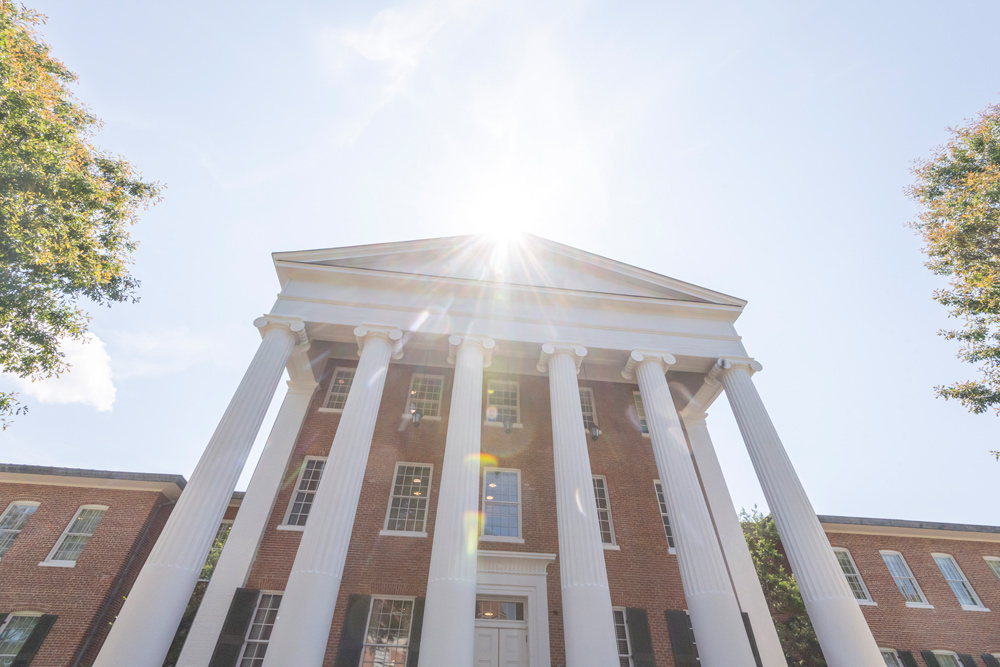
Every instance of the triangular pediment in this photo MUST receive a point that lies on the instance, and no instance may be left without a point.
(525, 260)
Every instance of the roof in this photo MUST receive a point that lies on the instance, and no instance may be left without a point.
(170, 485)
(956, 531)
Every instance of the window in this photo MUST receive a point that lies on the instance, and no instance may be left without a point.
(13, 521)
(500, 610)
(621, 634)
(947, 658)
(221, 536)
(425, 394)
(388, 635)
(501, 504)
(407, 511)
(960, 586)
(340, 385)
(305, 491)
(603, 510)
(77, 534)
(994, 563)
(259, 634)
(640, 412)
(854, 579)
(663, 515)
(587, 406)
(13, 635)
(905, 581)
(891, 657)
(503, 402)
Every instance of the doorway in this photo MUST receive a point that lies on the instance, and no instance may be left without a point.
(501, 633)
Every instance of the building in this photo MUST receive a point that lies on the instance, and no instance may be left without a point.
(491, 453)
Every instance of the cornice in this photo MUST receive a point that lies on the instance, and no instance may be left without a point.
(513, 562)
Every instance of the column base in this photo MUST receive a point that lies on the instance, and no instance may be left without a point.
(448, 635)
(589, 627)
(729, 646)
(307, 624)
(843, 632)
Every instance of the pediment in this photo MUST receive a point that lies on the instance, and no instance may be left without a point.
(526, 260)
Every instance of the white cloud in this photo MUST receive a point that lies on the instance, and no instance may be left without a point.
(163, 352)
(88, 381)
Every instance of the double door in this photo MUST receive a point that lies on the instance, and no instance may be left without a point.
(501, 647)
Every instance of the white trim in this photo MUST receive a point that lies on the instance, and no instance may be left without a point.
(392, 494)
(436, 402)
(329, 390)
(659, 508)
(295, 490)
(517, 407)
(894, 653)
(49, 562)
(401, 533)
(611, 521)
(639, 405)
(519, 539)
(857, 573)
(978, 606)
(522, 575)
(923, 604)
(593, 409)
(628, 637)
(950, 654)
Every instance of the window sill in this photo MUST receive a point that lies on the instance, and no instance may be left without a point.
(645, 435)
(919, 605)
(500, 538)
(967, 607)
(672, 551)
(868, 603)
(611, 547)
(337, 410)
(500, 424)
(296, 529)
(423, 418)
(57, 563)
(402, 533)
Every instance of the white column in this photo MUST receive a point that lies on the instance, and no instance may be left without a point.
(715, 614)
(241, 547)
(734, 545)
(448, 634)
(303, 625)
(145, 627)
(840, 626)
(586, 598)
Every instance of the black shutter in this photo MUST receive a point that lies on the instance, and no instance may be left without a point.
(352, 636)
(930, 659)
(990, 660)
(681, 640)
(34, 641)
(908, 660)
(640, 637)
(753, 640)
(416, 626)
(3, 617)
(234, 630)
(967, 660)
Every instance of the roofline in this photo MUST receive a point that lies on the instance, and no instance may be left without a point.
(22, 469)
(911, 525)
(169, 485)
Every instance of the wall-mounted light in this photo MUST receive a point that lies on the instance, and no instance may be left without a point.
(508, 424)
(595, 432)
(417, 416)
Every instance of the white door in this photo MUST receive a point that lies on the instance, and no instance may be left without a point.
(501, 647)
(487, 647)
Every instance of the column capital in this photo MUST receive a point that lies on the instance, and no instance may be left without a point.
(553, 348)
(725, 364)
(485, 343)
(664, 359)
(266, 323)
(301, 386)
(693, 414)
(393, 334)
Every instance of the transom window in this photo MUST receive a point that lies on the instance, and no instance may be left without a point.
(905, 581)
(15, 632)
(387, 638)
(603, 510)
(891, 657)
(622, 636)
(994, 563)
(947, 658)
(259, 634)
(340, 386)
(425, 394)
(640, 412)
(501, 503)
(587, 406)
(14, 518)
(305, 491)
(77, 534)
(407, 511)
(960, 586)
(854, 579)
(500, 610)
(663, 515)
(503, 402)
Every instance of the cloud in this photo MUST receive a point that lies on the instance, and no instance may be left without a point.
(88, 381)
(163, 352)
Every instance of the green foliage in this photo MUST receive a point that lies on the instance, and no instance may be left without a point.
(798, 639)
(958, 190)
(65, 208)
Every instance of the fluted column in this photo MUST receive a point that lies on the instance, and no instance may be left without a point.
(241, 547)
(146, 624)
(734, 545)
(303, 625)
(586, 598)
(448, 635)
(715, 614)
(840, 626)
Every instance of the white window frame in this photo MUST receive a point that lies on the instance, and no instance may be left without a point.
(657, 492)
(256, 608)
(395, 473)
(489, 392)
(6, 512)
(295, 489)
(409, 630)
(978, 606)
(640, 413)
(520, 502)
(329, 390)
(592, 413)
(20, 614)
(613, 544)
(916, 605)
(857, 573)
(950, 654)
(49, 561)
(628, 636)
(438, 401)
(892, 652)
(994, 564)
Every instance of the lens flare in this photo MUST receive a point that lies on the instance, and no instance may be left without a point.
(482, 459)
(472, 523)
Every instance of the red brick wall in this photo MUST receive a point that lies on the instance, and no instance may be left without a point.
(76, 594)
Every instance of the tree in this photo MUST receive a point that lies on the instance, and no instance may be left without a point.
(65, 209)
(958, 191)
(795, 631)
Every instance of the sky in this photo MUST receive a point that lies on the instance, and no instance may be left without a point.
(758, 149)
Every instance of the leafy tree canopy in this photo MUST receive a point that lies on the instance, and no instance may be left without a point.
(958, 190)
(65, 208)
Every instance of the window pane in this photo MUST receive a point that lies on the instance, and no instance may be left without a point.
(305, 492)
(78, 533)
(995, 566)
(947, 659)
(663, 514)
(905, 582)
(640, 412)
(259, 633)
(501, 401)
(891, 659)
(851, 573)
(622, 638)
(13, 636)
(603, 511)
(408, 503)
(12, 522)
(587, 407)
(956, 580)
(388, 633)
(340, 386)
(425, 394)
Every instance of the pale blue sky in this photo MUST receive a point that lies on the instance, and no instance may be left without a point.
(759, 149)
